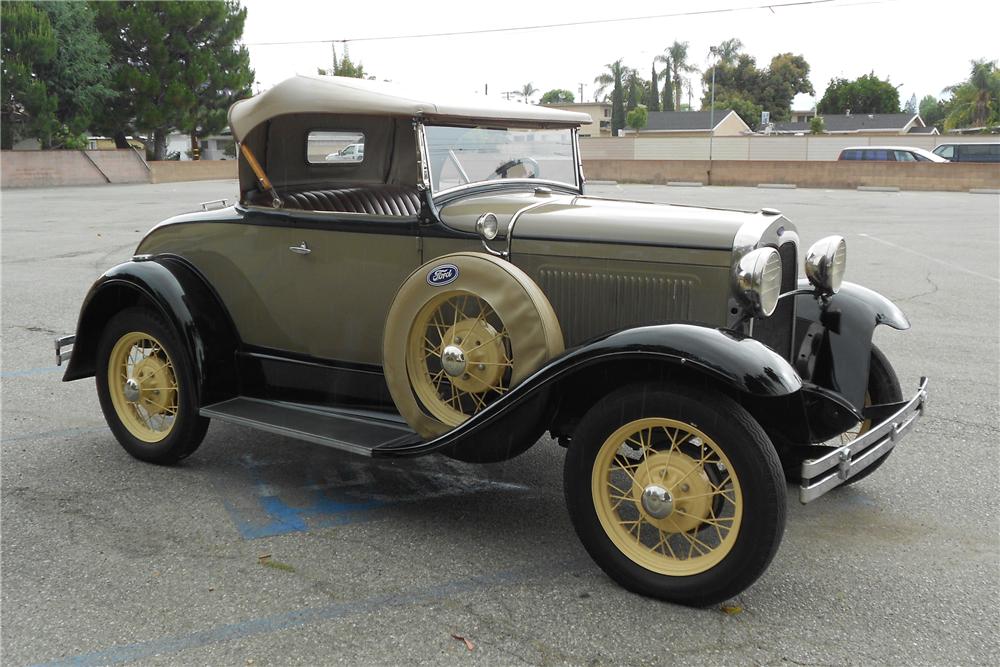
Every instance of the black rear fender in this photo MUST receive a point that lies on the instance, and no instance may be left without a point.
(174, 289)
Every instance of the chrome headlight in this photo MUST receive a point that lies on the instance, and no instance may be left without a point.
(758, 279)
(487, 226)
(825, 263)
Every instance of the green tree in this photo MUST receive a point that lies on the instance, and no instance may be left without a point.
(527, 90)
(652, 91)
(177, 65)
(911, 105)
(614, 78)
(27, 43)
(866, 94)
(78, 74)
(637, 117)
(344, 66)
(635, 89)
(976, 101)
(668, 91)
(816, 125)
(558, 96)
(933, 111)
(750, 90)
(676, 59)
(786, 77)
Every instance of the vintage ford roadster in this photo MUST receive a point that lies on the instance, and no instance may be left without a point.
(404, 276)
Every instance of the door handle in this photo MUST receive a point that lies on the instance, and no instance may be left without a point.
(300, 249)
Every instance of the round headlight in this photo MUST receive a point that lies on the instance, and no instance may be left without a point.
(825, 263)
(758, 279)
(487, 226)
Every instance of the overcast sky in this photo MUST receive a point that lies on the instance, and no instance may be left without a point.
(921, 46)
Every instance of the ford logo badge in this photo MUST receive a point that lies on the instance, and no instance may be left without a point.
(442, 274)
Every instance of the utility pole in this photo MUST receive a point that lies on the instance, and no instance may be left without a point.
(581, 94)
(711, 115)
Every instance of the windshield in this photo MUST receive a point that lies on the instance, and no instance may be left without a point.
(462, 155)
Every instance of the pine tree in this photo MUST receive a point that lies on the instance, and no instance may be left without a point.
(176, 65)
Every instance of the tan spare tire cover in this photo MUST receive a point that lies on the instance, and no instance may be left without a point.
(489, 315)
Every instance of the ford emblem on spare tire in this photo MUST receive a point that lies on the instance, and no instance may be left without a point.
(442, 275)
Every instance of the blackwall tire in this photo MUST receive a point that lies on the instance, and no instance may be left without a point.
(883, 387)
(147, 389)
(463, 330)
(676, 493)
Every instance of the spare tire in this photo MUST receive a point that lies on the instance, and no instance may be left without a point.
(462, 331)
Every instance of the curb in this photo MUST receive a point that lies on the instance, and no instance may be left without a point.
(602, 182)
(984, 191)
(878, 188)
(778, 186)
(685, 184)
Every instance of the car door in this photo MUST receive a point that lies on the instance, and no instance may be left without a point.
(325, 282)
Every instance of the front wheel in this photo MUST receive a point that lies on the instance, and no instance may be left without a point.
(146, 388)
(883, 387)
(676, 493)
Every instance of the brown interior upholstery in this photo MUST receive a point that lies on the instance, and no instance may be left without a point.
(373, 199)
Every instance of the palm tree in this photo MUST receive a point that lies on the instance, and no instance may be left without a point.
(613, 77)
(527, 90)
(727, 51)
(976, 102)
(676, 60)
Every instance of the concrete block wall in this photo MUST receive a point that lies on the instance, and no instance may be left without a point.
(805, 174)
(200, 170)
(54, 168)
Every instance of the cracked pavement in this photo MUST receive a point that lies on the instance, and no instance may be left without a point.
(260, 550)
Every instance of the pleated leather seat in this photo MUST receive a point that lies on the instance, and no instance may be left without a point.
(372, 199)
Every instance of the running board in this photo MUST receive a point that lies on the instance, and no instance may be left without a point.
(355, 431)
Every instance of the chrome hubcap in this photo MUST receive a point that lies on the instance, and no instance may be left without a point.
(131, 390)
(657, 502)
(453, 360)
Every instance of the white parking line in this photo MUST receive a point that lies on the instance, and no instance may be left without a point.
(928, 257)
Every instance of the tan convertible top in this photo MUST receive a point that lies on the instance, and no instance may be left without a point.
(334, 94)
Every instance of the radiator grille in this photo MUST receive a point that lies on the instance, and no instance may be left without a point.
(776, 331)
(589, 303)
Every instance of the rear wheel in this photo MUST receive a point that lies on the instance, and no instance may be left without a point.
(676, 493)
(146, 388)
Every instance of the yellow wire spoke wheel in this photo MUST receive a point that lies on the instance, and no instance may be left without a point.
(460, 356)
(667, 496)
(449, 350)
(143, 386)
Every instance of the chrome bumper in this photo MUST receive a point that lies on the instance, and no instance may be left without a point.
(833, 469)
(61, 354)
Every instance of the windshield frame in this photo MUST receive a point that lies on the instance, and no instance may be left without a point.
(521, 183)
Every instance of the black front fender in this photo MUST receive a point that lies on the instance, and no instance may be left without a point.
(174, 289)
(741, 365)
(834, 338)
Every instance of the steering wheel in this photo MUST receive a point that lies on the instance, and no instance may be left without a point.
(528, 162)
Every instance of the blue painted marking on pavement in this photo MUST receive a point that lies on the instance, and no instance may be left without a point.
(327, 507)
(281, 518)
(302, 617)
(31, 371)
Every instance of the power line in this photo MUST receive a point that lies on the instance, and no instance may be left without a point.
(699, 12)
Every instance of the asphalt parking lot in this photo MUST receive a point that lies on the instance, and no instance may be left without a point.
(261, 550)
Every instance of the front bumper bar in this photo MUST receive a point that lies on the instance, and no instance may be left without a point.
(64, 354)
(836, 467)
